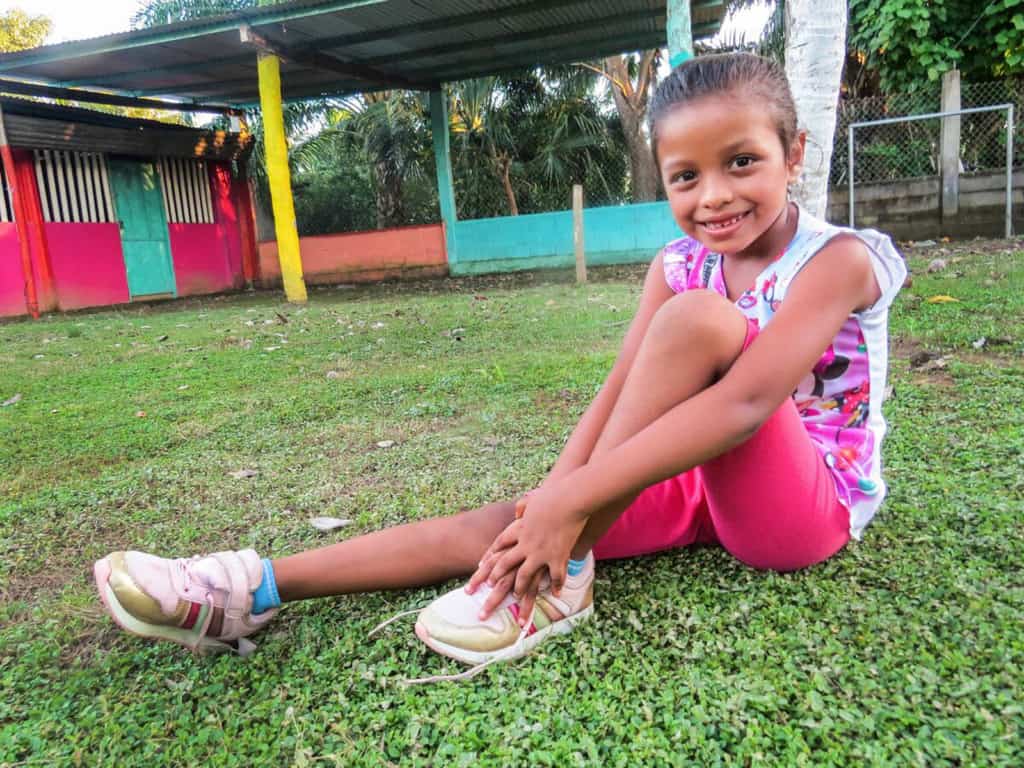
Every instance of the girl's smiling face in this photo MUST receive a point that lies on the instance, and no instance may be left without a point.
(725, 172)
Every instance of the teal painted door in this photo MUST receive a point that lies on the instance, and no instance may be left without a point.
(139, 203)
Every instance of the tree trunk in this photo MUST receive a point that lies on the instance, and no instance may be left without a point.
(631, 104)
(815, 54)
(503, 168)
(506, 183)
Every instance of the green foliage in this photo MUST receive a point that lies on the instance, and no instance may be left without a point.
(911, 42)
(903, 650)
(19, 31)
(154, 12)
(550, 130)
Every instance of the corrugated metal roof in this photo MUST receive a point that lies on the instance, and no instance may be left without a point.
(344, 46)
(35, 125)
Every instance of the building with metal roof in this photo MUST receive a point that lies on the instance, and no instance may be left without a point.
(306, 49)
(336, 48)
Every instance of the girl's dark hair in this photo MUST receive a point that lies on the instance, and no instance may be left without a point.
(726, 73)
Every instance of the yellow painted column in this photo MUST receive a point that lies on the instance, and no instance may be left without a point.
(276, 148)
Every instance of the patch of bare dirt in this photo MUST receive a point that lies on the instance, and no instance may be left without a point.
(925, 366)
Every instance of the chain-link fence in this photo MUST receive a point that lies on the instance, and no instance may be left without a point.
(911, 150)
(888, 152)
(983, 136)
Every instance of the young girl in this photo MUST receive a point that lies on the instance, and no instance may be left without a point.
(744, 409)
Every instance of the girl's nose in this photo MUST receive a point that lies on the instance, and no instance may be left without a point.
(716, 193)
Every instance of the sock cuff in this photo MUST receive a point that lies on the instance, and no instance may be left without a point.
(271, 581)
(266, 597)
(576, 566)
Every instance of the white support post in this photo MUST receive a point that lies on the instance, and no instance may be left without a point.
(950, 144)
(577, 232)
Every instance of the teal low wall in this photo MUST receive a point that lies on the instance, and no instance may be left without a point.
(619, 234)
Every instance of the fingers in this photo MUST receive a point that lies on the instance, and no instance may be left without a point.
(528, 598)
(479, 575)
(506, 562)
(501, 588)
(558, 576)
(528, 578)
(520, 507)
(483, 572)
(506, 539)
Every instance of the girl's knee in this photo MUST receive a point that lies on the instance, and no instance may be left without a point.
(483, 524)
(702, 318)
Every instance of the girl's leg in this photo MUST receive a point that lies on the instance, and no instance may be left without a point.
(425, 552)
(770, 501)
(691, 342)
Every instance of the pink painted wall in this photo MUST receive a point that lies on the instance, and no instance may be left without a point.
(12, 279)
(200, 259)
(88, 264)
(363, 256)
(208, 257)
(225, 212)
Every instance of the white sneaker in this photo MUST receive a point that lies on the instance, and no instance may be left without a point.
(450, 625)
(200, 602)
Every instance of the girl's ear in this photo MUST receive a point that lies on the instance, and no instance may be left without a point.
(795, 160)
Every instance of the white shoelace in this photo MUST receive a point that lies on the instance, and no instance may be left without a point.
(510, 652)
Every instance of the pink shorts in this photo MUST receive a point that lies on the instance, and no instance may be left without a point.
(771, 502)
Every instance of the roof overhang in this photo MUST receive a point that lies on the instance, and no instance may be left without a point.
(339, 47)
(37, 125)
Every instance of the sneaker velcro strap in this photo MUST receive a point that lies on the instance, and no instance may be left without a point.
(236, 605)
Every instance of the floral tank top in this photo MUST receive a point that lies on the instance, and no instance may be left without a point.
(840, 400)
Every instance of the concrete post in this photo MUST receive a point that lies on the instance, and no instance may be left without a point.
(949, 142)
(443, 162)
(680, 34)
(279, 177)
(280, 180)
(577, 233)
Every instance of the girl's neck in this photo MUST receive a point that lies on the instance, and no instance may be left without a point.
(774, 239)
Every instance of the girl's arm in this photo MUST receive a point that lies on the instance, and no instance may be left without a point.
(580, 445)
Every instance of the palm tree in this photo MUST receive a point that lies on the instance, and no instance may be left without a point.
(390, 130)
(535, 133)
(482, 125)
(155, 12)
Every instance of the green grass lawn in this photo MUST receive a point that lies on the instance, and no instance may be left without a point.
(906, 649)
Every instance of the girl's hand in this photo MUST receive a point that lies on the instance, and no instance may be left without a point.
(540, 540)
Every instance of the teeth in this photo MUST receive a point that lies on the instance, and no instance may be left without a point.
(723, 224)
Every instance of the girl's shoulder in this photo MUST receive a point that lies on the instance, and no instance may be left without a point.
(888, 264)
(684, 261)
(681, 249)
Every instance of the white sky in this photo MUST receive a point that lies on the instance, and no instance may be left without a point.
(78, 19)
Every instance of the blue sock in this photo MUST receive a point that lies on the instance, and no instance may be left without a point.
(265, 597)
(576, 566)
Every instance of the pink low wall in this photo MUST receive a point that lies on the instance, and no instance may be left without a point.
(12, 280)
(208, 257)
(363, 256)
(200, 259)
(88, 264)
